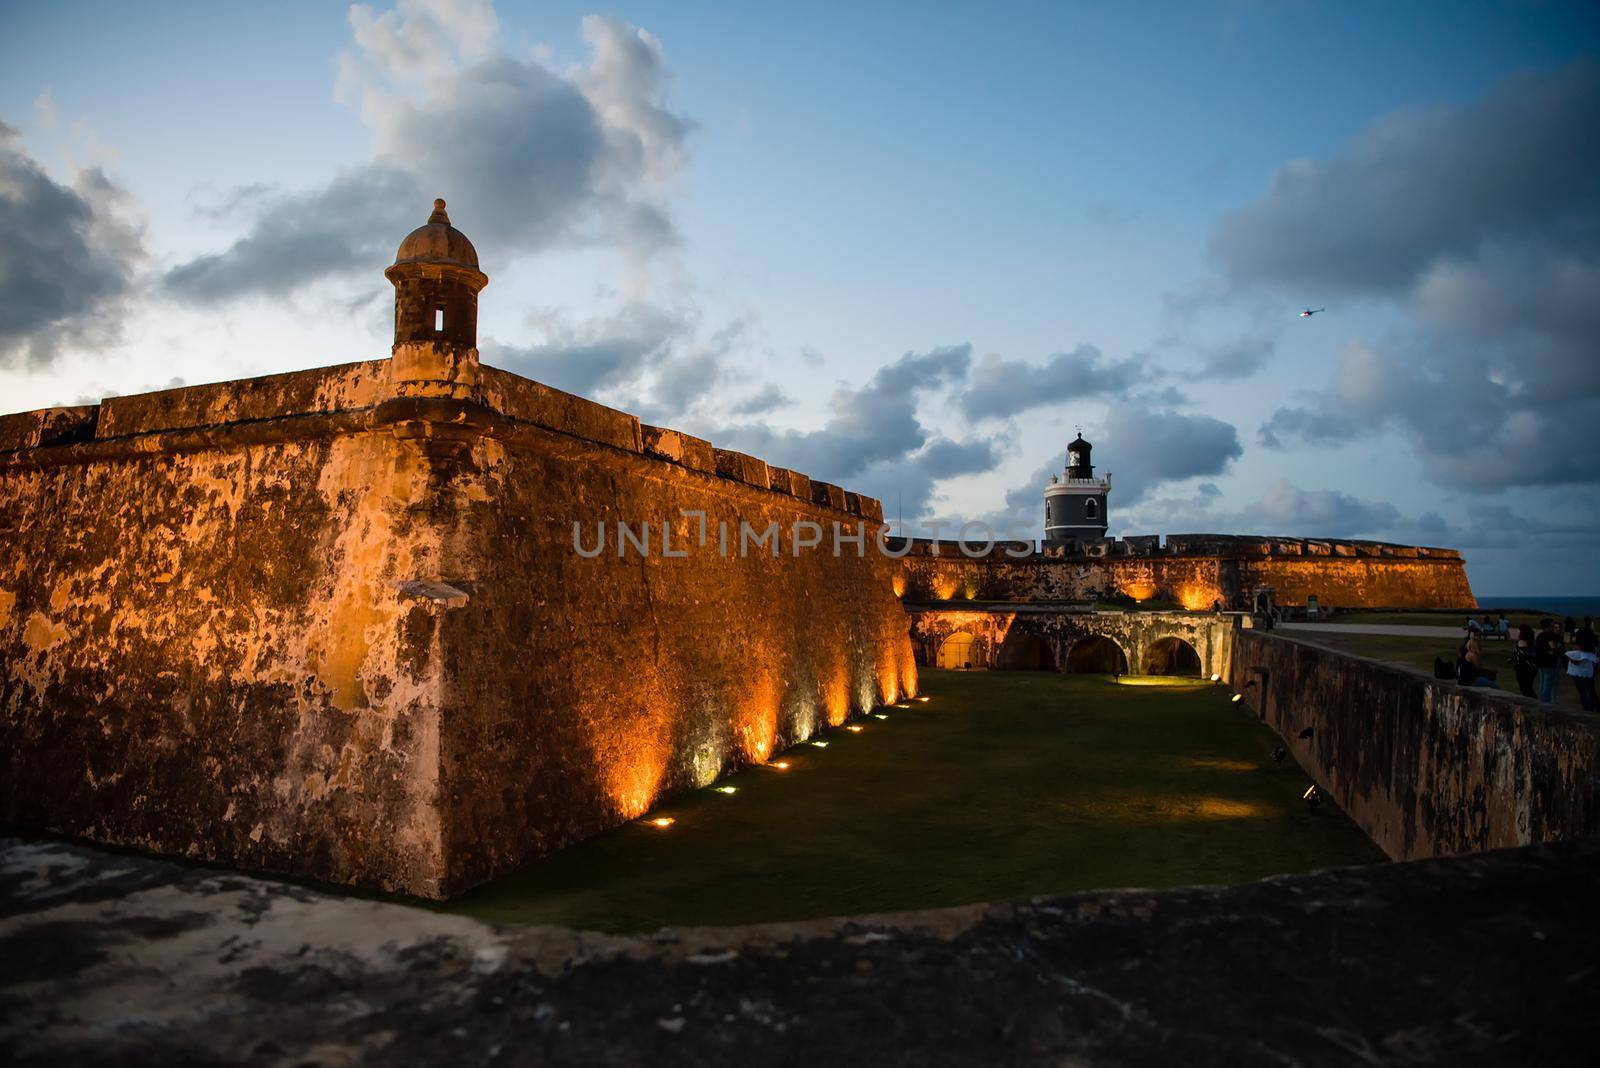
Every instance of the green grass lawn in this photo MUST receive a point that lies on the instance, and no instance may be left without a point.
(1003, 785)
(1419, 653)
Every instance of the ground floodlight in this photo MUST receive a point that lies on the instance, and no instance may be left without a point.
(1236, 698)
(1312, 797)
(820, 745)
(726, 789)
(854, 728)
(662, 821)
(781, 765)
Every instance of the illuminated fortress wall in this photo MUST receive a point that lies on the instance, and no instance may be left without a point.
(1196, 571)
(309, 624)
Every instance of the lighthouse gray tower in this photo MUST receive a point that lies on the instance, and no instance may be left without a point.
(1075, 501)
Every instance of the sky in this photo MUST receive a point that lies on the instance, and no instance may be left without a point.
(906, 248)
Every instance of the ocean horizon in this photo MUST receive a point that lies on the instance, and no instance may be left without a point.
(1577, 607)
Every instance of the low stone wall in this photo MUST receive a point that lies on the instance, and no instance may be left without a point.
(1424, 766)
(308, 624)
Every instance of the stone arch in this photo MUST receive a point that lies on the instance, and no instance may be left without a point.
(1096, 654)
(1024, 651)
(960, 651)
(1171, 655)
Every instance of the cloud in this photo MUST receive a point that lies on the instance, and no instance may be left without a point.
(1151, 446)
(598, 353)
(67, 261)
(1239, 358)
(1424, 185)
(1283, 508)
(1002, 388)
(1313, 426)
(873, 441)
(1482, 223)
(529, 159)
(768, 398)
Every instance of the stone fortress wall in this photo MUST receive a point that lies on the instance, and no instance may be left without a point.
(319, 624)
(1192, 570)
(1425, 767)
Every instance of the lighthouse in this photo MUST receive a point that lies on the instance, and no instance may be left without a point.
(1075, 501)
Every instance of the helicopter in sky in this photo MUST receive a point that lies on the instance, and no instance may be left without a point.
(1306, 313)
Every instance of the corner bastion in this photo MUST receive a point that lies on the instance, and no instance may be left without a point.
(334, 623)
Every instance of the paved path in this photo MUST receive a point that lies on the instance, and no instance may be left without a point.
(1393, 630)
(113, 959)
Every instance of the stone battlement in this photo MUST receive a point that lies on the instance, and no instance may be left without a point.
(1176, 545)
(319, 400)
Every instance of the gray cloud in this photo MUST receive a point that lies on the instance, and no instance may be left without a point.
(905, 484)
(1322, 425)
(1283, 508)
(1482, 222)
(597, 354)
(1002, 388)
(1151, 446)
(768, 398)
(529, 159)
(1423, 185)
(1239, 358)
(872, 426)
(67, 259)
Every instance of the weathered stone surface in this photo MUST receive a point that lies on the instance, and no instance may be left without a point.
(1136, 634)
(1487, 959)
(679, 448)
(355, 641)
(1195, 572)
(322, 389)
(742, 468)
(1424, 766)
(534, 402)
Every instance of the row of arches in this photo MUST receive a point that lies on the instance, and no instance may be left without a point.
(1094, 654)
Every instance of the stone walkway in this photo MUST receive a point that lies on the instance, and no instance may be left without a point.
(112, 959)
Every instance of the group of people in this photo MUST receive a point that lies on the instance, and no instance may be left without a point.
(1538, 659)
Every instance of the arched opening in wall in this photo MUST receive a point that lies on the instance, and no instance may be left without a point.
(1022, 651)
(1097, 655)
(959, 652)
(1091, 510)
(1171, 656)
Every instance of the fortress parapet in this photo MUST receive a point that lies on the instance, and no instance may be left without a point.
(1192, 570)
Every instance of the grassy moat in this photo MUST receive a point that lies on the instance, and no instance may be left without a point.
(1003, 785)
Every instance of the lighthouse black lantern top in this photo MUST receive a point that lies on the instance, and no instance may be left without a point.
(1078, 465)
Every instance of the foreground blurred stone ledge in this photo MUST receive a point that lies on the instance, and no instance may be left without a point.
(1482, 959)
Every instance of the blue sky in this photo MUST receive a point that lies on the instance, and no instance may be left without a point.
(908, 248)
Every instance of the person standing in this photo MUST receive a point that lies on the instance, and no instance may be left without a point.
(1548, 650)
(1522, 661)
(1580, 665)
